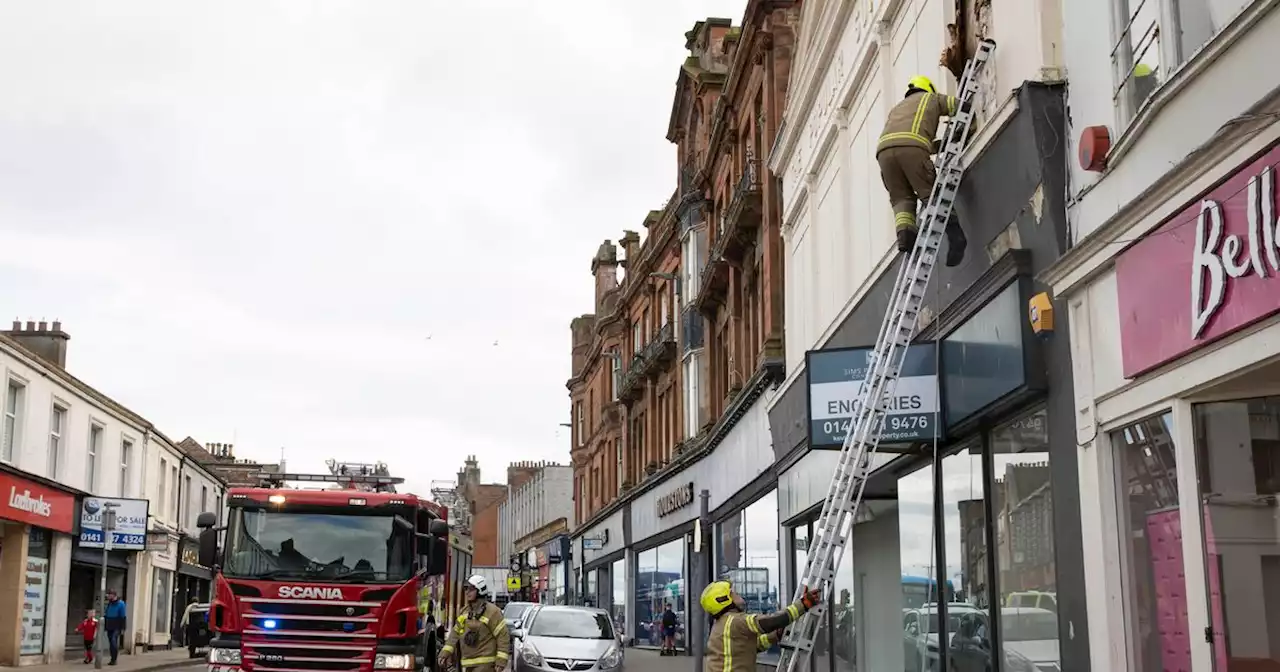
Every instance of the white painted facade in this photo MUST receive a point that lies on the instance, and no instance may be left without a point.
(853, 60)
(1208, 117)
(545, 498)
(67, 432)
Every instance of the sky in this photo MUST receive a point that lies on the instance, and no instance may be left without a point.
(349, 229)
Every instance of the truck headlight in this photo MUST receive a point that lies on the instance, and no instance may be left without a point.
(392, 661)
(224, 656)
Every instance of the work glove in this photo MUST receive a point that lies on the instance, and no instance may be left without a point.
(810, 598)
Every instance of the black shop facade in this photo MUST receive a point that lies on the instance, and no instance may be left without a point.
(193, 579)
(970, 518)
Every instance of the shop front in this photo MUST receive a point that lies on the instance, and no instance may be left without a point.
(602, 552)
(735, 470)
(162, 558)
(1177, 344)
(553, 570)
(123, 573)
(969, 522)
(194, 580)
(36, 521)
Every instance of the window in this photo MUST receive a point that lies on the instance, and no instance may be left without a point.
(126, 452)
(1238, 469)
(637, 337)
(618, 603)
(218, 508)
(95, 449)
(578, 422)
(161, 596)
(615, 361)
(173, 501)
(659, 578)
(1154, 38)
(12, 420)
(57, 425)
(571, 624)
(204, 499)
(1151, 541)
(164, 484)
(665, 307)
(747, 556)
(189, 517)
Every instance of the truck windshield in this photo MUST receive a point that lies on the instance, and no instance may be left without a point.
(320, 546)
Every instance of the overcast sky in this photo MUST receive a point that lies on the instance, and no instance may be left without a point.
(345, 229)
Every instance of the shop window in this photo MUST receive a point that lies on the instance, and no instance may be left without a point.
(747, 553)
(800, 536)
(36, 593)
(592, 597)
(917, 550)
(966, 578)
(659, 584)
(618, 605)
(1238, 469)
(1022, 503)
(1151, 544)
(160, 596)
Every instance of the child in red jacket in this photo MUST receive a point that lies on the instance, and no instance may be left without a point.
(88, 628)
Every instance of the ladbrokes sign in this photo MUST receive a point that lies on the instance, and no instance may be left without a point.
(675, 500)
(1210, 270)
(27, 502)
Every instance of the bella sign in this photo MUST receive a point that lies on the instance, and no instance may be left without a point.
(1225, 248)
(675, 500)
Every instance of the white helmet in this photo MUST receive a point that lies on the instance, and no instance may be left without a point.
(478, 582)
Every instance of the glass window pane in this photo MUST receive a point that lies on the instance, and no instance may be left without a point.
(757, 580)
(729, 551)
(592, 597)
(1025, 559)
(659, 585)
(619, 604)
(1151, 541)
(918, 556)
(1238, 468)
(965, 525)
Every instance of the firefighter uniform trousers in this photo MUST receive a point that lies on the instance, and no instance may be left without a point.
(904, 152)
(481, 639)
(737, 638)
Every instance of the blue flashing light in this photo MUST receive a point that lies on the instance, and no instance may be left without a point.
(349, 627)
(269, 624)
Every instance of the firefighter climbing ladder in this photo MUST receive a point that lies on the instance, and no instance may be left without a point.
(884, 365)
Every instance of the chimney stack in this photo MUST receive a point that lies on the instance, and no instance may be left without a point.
(48, 342)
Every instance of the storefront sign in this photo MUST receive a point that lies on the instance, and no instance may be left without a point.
(542, 558)
(675, 500)
(190, 553)
(1222, 251)
(835, 379)
(26, 502)
(130, 533)
(33, 606)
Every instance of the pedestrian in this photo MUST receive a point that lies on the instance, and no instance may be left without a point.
(669, 631)
(113, 622)
(904, 153)
(737, 637)
(88, 628)
(480, 636)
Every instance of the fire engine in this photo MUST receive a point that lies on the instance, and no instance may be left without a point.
(352, 577)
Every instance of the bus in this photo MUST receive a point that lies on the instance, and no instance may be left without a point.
(920, 590)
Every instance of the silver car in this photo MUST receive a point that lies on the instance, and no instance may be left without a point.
(567, 639)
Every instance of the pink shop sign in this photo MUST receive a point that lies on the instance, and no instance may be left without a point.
(1208, 271)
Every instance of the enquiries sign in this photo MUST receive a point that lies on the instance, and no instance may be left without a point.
(835, 380)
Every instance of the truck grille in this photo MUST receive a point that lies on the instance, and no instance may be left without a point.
(282, 635)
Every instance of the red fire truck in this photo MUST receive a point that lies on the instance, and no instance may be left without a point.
(352, 578)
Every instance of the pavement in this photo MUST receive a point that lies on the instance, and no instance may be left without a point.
(152, 661)
(648, 660)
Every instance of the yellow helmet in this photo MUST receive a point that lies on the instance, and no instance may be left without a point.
(1142, 70)
(716, 597)
(921, 82)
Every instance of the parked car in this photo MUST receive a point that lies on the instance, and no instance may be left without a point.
(567, 639)
(515, 611)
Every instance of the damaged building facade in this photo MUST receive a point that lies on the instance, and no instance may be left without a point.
(971, 517)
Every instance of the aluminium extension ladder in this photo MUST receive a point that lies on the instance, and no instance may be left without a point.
(884, 365)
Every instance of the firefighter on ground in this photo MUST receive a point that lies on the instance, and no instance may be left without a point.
(479, 639)
(736, 637)
(906, 164)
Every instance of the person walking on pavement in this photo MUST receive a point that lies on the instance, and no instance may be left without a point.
(904, 153)
(88, 629)
(113, 622)
(736, 637)
(669, 624)
(479, 640)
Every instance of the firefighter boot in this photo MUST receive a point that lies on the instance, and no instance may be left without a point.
(957, 242)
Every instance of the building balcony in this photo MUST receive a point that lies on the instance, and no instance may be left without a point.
(714, 283)
(648, 363)
(741, 220)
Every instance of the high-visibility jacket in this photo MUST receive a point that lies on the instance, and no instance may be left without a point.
(913, 122)
(736, 637)
(480, 637)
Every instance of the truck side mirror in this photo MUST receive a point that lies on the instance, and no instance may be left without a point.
(208, 546)
(206, 520)
(437, 556)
